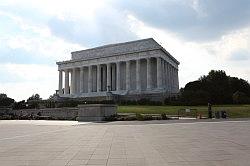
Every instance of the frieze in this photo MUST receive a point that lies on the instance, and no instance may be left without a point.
(114, 59)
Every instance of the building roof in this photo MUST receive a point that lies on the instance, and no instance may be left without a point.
(118, 49)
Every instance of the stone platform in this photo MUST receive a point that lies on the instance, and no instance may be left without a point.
(95, 112)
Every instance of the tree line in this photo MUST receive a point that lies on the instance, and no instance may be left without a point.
(215, 88)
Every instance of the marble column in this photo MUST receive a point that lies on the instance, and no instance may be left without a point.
(104, 78)
(159, 73)
(173, 76)
(60, 82)
(163, 74)
(127, 75)
(138, 80)
(172, 71)
(113, 77)
(149, 86)
(171, 79)
(118, 86)
(174, 79)
(81, 79)
(66, 81)
(98, 77)
(177, 80)
(108, 77)
(73, 82)
(167, 80)
(90, 79)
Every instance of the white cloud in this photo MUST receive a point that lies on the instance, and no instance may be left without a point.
(194, 59)
(37, 39)
(230, 43)
(197, 59)
(32, 79)
(60, 8)
(50, 46)
(100, 22)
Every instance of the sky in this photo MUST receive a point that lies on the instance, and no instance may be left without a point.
(202, 35)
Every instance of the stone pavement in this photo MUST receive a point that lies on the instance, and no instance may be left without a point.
(174, 144)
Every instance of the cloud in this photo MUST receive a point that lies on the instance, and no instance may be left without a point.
(240, 55)
(106, 26)
(28, 55)
(196, 20)
(20, 81)
(89, 23)
(194, 59)
(201, 34)
(30, 43)
(20, 56)
(229, 44)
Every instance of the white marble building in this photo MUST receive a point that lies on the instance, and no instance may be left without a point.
(136, 67)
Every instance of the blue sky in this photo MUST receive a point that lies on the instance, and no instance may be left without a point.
(202, 34)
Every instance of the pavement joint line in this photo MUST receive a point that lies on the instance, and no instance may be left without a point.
(27, 135)
(198, 144)
(176, 123)
(205, 122)
(43, 122)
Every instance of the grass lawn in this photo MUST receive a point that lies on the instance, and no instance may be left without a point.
(234, 111)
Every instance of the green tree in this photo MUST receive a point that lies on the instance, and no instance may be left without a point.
(216, 88)
(33, 101)
(34, 97)
(240, 98)
(5, 100)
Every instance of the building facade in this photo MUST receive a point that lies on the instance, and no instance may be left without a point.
(138, 67)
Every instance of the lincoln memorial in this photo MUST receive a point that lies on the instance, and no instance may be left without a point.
(135, 68)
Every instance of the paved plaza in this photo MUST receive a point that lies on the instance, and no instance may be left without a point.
(175, 144)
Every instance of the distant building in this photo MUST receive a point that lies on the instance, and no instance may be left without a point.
(131, 70)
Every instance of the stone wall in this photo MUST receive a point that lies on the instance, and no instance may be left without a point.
(90, 112)
(55, 113)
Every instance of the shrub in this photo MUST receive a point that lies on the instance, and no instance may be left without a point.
(111, 118)
(240, 98)
(139, 116)
(6, 101)
(143, 101)
(147, 117)
(163, 116)
(19, 105)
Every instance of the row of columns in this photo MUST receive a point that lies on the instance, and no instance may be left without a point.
(72, 89)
